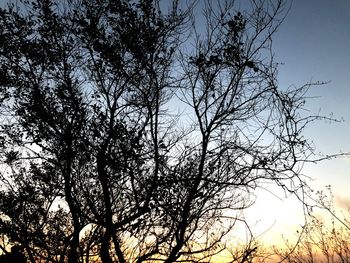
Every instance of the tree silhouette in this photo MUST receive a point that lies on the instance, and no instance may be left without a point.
(14, 256)
(324, 238)
(96, 159)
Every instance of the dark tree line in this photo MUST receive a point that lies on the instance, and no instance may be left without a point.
(134, 131)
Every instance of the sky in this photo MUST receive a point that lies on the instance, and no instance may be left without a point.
(314, 45)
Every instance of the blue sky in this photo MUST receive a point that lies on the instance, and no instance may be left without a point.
(314, 45)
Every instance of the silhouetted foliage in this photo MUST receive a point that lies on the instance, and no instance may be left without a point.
(324, 238)
(15, 255)
(96, 159)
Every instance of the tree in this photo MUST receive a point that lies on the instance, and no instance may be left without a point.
(95, 157)
(324, 238)
(14, 256)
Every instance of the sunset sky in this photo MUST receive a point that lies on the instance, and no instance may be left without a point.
(314, 45)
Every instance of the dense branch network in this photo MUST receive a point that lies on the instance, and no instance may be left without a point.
(97, 163)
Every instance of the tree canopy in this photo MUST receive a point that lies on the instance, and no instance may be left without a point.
(134, 131)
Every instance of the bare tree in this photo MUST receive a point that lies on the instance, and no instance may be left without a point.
(95, 156)
(324, 238)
